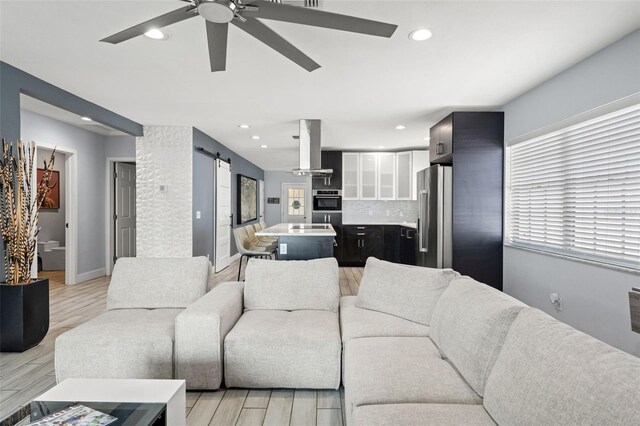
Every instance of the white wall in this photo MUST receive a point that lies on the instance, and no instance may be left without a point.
(164, 156)
(273, 181)
(595, 297)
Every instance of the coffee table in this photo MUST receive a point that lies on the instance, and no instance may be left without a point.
(146, 394)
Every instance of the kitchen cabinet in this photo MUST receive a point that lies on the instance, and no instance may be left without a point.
(400, 244)
(335, 219)
(407, 246)
(368, 176)
(350, 176)
(408, 164)
(391, 243)
(441, 141)
(472, 142)
(361, 242)
(382, 175)
(329, 160)
(386, 176)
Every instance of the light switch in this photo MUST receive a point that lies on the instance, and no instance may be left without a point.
(164, 188)
(198, 214)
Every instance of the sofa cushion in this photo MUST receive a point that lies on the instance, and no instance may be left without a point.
(124, 343)
(292, 285)
(420, 415)
(393, 370)
(408, 292)
(281, 349)
(550, 373)
(157, 283)
(469, 325)
(357, 322)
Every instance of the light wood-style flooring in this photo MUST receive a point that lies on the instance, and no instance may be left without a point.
(26, 375)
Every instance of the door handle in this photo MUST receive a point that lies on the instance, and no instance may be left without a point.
(329, 218)
(360, 233)
(325, 218)
(231, 220)
(439, 148)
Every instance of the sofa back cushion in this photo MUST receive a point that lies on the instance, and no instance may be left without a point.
(292, 285)
(409, 292)
(550, 373)
(157, 283)
(469, 326)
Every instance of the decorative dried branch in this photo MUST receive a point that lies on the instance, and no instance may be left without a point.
(20, 206)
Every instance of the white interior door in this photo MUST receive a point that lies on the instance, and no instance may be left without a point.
(296, 203)
(125, 215)
(223, 215)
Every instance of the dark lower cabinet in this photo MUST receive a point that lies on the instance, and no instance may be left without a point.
(408, 246)
(392, 243)
(360, 242)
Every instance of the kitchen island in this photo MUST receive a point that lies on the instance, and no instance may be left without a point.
(302, 241)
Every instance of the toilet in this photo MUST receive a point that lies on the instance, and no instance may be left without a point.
(53, 256)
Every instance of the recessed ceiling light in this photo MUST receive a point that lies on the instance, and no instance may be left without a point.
(155, 34)
(400, 127)
(380, 146)
(427, 138)
(244, 126)
(421, 34)
(264, 146)
(255, 137)
(85, 119)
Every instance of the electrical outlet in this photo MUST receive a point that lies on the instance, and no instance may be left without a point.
(283, 248)
(164, 188)
(556, 301)
(198, 214)
(387, 212)
(370, 212)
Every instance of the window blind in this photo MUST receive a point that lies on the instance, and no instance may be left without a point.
(576, 191)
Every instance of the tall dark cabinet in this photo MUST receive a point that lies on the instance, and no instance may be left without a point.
(473, 144)
(329, 160)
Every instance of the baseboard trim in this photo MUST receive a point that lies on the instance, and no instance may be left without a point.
(80, 278)
(235, 257)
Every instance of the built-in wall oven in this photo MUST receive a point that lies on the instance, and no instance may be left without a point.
(325, 200)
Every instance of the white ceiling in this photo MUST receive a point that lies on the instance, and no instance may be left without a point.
(482, 55)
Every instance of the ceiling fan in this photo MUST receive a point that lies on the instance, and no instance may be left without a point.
(243, 14)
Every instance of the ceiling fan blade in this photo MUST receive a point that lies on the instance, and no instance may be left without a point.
(269, 37)
(158, 22)
(217, 41)
(318, 18)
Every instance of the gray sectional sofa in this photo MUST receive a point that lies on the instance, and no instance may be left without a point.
(479, 357)
(154, 327)
(417, 346)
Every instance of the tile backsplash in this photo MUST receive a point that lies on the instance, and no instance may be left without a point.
(379, 211)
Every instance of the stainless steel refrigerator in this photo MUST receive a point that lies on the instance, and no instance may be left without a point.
(434, 188)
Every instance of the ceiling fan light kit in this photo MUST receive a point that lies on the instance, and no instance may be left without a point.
(247, 16)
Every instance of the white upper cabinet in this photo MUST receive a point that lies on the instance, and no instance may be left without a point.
(381, 175)
(404, 187)
(386, 176)
(350, 176)
(368, 176)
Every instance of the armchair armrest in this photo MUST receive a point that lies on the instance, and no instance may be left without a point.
(200, 332)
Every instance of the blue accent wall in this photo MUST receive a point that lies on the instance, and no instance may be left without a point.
(239, 165)
(14, 81)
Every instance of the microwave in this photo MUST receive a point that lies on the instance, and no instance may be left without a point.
(327, 200)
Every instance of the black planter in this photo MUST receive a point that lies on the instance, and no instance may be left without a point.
(24, 315)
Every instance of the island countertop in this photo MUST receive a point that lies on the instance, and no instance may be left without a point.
(298, 229)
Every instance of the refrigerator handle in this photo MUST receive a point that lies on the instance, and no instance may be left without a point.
(423, 227)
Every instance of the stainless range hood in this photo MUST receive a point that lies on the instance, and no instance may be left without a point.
(310, 162)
